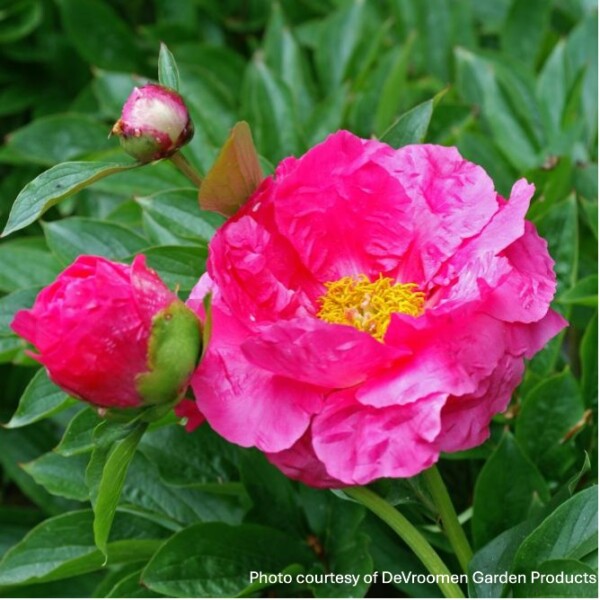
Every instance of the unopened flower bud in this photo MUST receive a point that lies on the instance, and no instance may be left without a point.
(154, 123)
(113, 335)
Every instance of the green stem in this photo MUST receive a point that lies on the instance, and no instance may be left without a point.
(450, 523)
(411, 536)
(186, 168)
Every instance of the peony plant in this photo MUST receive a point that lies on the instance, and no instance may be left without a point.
(367, 309)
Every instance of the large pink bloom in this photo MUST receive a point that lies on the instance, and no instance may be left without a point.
(306, 365)
(92, 329)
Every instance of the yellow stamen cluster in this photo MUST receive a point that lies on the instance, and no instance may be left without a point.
(369, 305)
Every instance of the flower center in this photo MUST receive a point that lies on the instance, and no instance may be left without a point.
(369, 305)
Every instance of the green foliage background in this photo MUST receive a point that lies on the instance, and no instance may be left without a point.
(512, 83)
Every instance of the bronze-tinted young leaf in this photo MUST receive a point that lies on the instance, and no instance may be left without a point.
(235, 174)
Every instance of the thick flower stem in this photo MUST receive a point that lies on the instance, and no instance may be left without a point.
(450, 523)
(186, 168)
(410, 535)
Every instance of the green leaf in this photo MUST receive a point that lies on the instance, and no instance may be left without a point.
(588, 352)
(234, 176)
(18, 446)
(79, 435)
(60, 475)
(209, 459)
(336, 524)
(269, 108)
(213, 559)
(168, 74)
(570, 532)
(146, 493)
(506, 488)
(495, 558)
(411, 127)
(131, 587)
(524, 28)
(19, 19)
(559, 227)
(41, 269)
(40, 400)
(547, 414)
(114, 470)
(63, 546)
(340, 35)
(268, 487)
(69, 238)
(99, 34)
(178, 212)
(477, 78)
(583, 293)
(284, 56)
(13, 302)
(54, 185)
(575, 580)
(15, 523)
(59, 138)
(393, 88)
(179, 267)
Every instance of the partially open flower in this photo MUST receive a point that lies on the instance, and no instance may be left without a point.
(154, 123)
(113, 334)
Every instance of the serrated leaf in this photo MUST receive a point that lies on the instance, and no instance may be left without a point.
(40, 400)
(168, 74)
(55, 185)
(235, 174)
(214, 559)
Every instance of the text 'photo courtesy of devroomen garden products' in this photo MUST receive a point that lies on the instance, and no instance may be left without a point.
(299, 299)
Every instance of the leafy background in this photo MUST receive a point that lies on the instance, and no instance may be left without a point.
(512, 83)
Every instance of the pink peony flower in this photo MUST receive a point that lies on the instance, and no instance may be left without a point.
(154, 124)
(371, 308)
(105, 332)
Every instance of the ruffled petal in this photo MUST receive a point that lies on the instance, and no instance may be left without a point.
(343, 176)
(466, 419)
(451, 355)
(526, 293)
(358, 443)
(244, 403)
(301, 463)
(312, 351)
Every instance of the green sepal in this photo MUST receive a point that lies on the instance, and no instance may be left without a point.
(173, 351)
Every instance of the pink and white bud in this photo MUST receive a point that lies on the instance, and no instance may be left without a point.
(154, 124)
